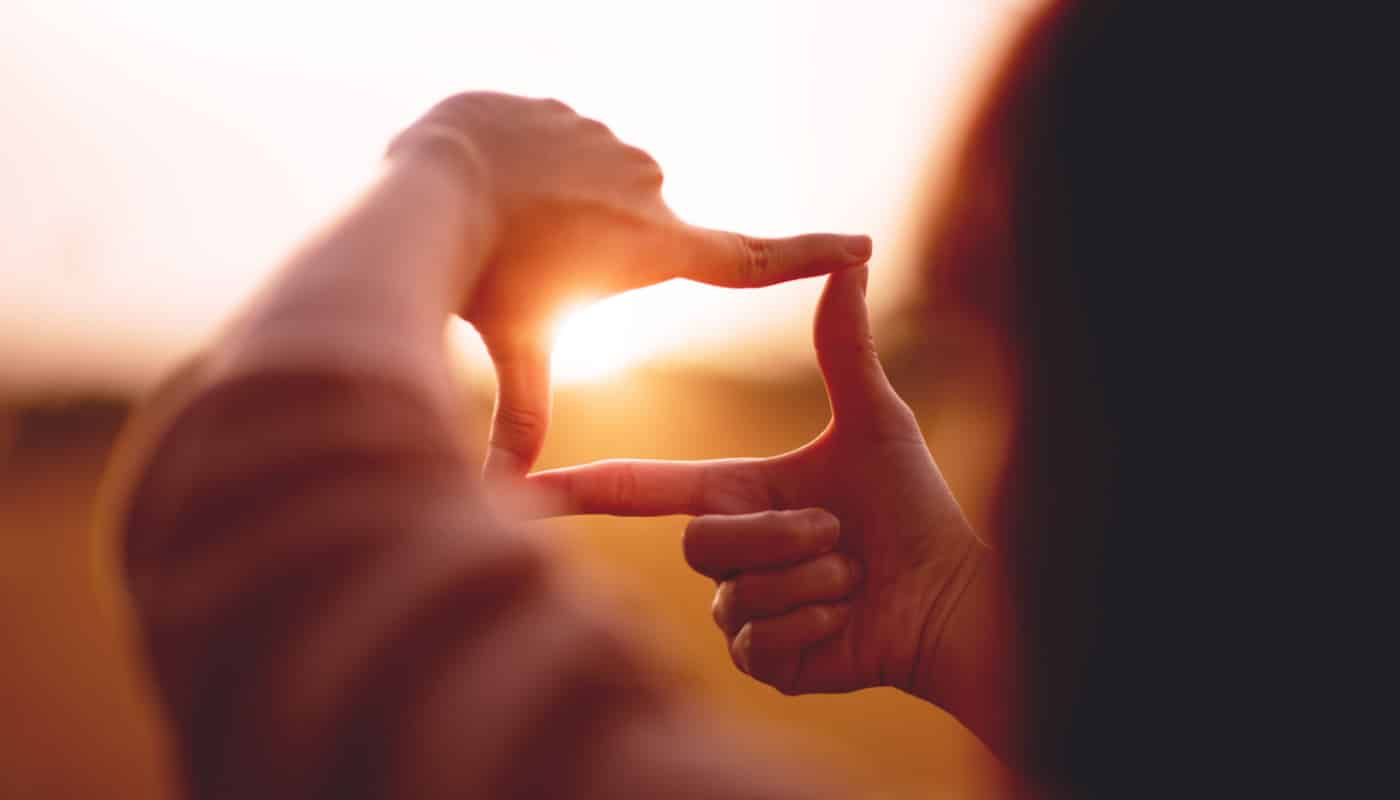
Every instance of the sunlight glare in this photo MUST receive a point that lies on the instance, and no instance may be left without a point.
(227, 133)
(592, 342)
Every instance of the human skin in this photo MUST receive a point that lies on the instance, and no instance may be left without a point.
(562, 211)
(330, 599)
(842, 565)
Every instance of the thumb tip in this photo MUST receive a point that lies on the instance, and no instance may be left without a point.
(853, 280)
(859, 276)
(857, 248)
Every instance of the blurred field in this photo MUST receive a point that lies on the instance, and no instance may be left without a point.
(75, 723)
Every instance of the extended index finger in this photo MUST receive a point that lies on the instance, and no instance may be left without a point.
(724, 258)
(641, 488)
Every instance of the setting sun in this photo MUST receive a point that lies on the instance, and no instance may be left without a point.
(213, 153)
(592, 342)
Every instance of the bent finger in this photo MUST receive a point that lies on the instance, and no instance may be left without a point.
(757, 594)
(770, 650)
(721, 545)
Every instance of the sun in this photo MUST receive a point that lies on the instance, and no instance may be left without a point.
(592, 342)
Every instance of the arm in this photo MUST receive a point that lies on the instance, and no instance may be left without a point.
(328, 607)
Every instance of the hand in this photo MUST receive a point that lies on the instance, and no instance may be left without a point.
(838, 564)
(569, 213)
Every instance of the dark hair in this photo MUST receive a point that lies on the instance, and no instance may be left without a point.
(1077, 224)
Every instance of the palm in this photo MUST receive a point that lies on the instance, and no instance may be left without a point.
(886, 490)
(870, 469)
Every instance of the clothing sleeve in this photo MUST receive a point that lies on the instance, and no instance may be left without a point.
(329, 610)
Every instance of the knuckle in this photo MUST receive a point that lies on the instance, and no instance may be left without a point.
(859, 349)
(747, 487)
(763, 662)
(755, 256)
(598, 126)
(704, 549)
(624, 485)
(454, 103)
(759, 641)
(826, 619)
(693, 543)
(515, 423)
(461, 107)
(837, 573)
(653, 175)
(647, 166)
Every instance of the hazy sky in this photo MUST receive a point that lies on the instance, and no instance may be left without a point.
(158, 156)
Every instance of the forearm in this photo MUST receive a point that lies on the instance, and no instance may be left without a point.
(371, 292)
(303, 534)
(328, 607)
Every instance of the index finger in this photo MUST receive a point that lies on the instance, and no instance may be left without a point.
(724, 258)
(642, 488)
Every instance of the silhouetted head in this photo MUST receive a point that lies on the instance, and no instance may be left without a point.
(1076, 254)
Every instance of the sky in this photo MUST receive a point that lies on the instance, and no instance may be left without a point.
(158, 157)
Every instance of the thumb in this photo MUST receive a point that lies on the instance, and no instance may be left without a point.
(521, 417)
(723, 258)
(855, 381)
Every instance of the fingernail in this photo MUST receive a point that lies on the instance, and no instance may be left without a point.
(857, 248)
(741, 651)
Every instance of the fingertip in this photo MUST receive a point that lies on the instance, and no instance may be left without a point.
(740, 648)
(857, 249)
(828, 619)
(824, 527)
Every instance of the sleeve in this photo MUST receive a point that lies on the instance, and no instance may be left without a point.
(329, 610)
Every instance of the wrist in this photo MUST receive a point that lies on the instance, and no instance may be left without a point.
(966, 662)
(947, 585)
(445, 146)
(450, 167)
